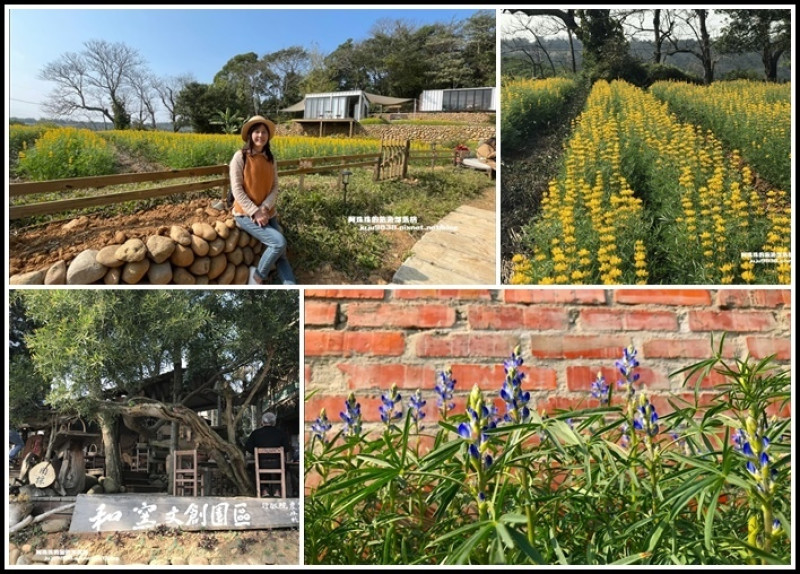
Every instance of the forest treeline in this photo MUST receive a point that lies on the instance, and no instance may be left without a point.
(647, 45)
(110, 80)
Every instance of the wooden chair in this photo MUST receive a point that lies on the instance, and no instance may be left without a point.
(267, 477)
(141, 457)
(186, 479)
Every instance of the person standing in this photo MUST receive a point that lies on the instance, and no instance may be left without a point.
(254, 183)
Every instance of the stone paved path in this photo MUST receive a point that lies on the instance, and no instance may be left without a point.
(460, 250)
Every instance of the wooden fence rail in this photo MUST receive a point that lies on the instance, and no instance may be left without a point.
(300, 166)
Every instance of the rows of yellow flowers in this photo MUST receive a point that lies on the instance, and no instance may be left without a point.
(590, 222)
(194, 150)
(54, 152)
(753, 117)
(693, 216)
(529, 104)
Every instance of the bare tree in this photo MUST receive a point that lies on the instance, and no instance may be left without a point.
(168, 90)
(94, 80)
(695, 22)
(143, 87)
(517, 34)
(659, 24)
(599, 31)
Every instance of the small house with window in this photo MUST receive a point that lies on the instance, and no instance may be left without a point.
(459, 100)
(340, 107)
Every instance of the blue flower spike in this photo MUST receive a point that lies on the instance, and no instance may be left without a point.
(445, 384)
(391, 408)
(321, 426)
(351, 416)
(516, 399)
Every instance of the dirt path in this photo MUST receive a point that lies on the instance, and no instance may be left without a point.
(525, 176)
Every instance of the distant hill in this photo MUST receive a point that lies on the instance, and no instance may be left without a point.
(558, 50)
(94, 126)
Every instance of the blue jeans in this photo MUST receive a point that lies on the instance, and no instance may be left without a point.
(274, 241)
(16, 440)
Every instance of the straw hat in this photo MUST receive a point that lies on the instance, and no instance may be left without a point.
(258, 120)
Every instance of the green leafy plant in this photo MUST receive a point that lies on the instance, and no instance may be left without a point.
(229, 121)
(615, 483)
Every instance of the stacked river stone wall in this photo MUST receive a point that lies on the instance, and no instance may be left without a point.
(202, 253)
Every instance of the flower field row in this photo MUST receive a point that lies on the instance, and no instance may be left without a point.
(617, 483)
(64, 152)
(68, 152)
(753, 117)
(644, 198)
(529, 105)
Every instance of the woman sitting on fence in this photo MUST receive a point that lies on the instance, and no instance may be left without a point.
(254, 182)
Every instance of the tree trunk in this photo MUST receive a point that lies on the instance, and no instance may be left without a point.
(572, 52)
(177, 379)
(705, 47)
(109, 426)
(770, 60)
(72, 474)
(657, 33)
(229, 457)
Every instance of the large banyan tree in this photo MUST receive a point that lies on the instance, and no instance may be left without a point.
(97, 353)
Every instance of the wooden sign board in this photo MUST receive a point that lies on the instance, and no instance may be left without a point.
(139, 511)
(42, 475)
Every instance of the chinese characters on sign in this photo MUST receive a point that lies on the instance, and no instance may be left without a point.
(98, 513)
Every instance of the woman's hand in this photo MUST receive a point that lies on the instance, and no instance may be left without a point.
(261, 217)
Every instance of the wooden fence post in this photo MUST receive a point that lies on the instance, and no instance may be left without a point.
(406, 154)
(377, 176)
(301, 177)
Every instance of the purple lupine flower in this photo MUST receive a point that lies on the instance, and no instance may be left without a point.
(475, 429)
(444, 391)
(392, 408)
(351, 416)
(321, 426)
(415, 404)
(675, 435)
(515, 398)
(646, 417)
(624, 440)
(600, 389)
(626, 367)
(752, 442)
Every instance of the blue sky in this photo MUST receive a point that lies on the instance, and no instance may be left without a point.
(175, 41)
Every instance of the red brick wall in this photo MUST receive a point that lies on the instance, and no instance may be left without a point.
(365, 340)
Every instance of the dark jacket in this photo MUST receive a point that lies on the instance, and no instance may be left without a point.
(269, 437)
